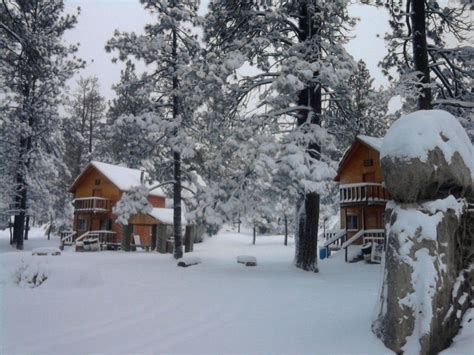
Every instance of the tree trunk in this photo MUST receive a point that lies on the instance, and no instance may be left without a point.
(127, 231)
(27, 226)
(307, 235)
(286, 230)
(178, 237)
(254, 235)
(420, 52)
(20, 198)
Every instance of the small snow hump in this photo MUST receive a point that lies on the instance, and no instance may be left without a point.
(247, 260)
(46, 251)
(189, 261)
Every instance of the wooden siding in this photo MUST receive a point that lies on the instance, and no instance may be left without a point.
(353, 169)
(87, 187)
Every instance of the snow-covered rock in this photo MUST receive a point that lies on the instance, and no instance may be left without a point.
(421, 304)
(427, 155)
(247, 260)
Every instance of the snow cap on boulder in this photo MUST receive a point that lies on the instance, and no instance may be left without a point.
(427, 155)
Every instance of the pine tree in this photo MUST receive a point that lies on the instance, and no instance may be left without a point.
(297, 50)
(364, 110)
(83, 128)
(168, 47)
(35, 63)
(432, 74)
(130, 102)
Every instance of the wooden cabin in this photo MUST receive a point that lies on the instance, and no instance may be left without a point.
(97, 190)
(362, 197)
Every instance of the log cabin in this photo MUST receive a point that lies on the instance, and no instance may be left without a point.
(362, 196)
(97, 190)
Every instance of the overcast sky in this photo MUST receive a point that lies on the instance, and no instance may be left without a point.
(99, 19)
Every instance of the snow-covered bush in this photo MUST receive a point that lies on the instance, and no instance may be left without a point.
(30, 274)
(132, 202)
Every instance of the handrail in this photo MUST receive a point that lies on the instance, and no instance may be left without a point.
(91, 198)
(66, 237)
(353, 239)
(361, 233)
(360, 184)
(363, 192)
(95, 233)
(93, 203)
(338, 234)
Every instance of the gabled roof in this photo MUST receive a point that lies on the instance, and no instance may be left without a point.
(374, 143)
(122, 177)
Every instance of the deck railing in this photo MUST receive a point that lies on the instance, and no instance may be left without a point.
(367, 235)
(91, 204)
(366, 192)
(67, 237)
(105, 237)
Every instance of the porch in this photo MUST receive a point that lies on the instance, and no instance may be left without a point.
(363, 193)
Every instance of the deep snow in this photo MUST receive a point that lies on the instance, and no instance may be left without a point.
(141, 302)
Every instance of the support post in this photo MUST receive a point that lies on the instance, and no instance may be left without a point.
(162, 237)
(153, 236)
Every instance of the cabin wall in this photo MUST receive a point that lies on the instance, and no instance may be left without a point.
(354, 169)
(157, 201)
(87, 187)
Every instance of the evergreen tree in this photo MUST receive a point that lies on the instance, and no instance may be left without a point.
(432, 74)
(83, 128)
(168, 48)
(296, 50)
(363, 112)
(35, 63)
(130, 102)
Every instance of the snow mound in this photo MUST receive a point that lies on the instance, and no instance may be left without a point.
(56, 273)
(418, 133)
(247, 260)
(189, 261)
(30, 274)
(46, 251)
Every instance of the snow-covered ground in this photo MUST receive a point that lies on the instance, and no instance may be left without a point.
(139, 302)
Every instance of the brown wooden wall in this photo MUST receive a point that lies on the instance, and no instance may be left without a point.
(354, 170)
(87, 188)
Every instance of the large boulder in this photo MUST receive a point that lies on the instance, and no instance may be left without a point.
(427, 155)
(426, 288)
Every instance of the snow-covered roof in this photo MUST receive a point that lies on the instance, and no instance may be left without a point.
(165, 215)
(373, 142)
(122, 177)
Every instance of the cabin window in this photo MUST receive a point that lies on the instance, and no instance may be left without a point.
(352, 222)
(368, 162)
(82, 224)
(97, 181)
